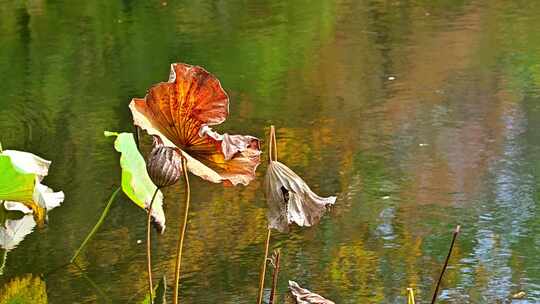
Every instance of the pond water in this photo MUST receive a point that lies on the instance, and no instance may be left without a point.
(419, 115)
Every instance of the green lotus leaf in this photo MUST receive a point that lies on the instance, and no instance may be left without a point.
(20, 181)
(15, 184)
(136, 183)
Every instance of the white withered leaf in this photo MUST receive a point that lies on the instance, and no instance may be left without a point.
(290, 200)
(304, 296)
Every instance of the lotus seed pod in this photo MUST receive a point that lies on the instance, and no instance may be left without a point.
(164, 164)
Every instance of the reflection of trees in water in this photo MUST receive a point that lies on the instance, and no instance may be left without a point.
(503, 219)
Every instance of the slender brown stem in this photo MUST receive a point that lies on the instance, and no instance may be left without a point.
(263, 268)
(272, 156)
(149, 247)
(456, 232)
(275, 277)
(272, 145)
(137, 137)
(275, 144)
(180, 244)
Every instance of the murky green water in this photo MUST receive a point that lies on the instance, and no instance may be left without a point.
(419, 115)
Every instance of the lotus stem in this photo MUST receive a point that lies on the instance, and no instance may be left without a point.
(96, 226)
(275, 277)
(410, 296)
(137, 137)
(272, 145)
(263, 268)
(272, 156)
(149, 247)
(456, 232)
(182, 234)
(4, 260)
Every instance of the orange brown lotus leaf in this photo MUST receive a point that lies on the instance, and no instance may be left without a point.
(181, 111)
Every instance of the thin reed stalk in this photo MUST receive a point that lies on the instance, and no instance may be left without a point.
(456, 232)
(96, 226)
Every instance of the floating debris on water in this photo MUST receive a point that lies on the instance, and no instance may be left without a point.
(519, 295)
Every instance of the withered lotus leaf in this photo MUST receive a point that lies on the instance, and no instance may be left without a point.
(290, 200)
(304, 296)
(181, 112)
